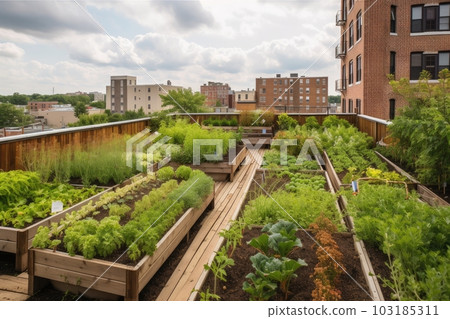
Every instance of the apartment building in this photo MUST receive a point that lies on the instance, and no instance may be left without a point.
(293, 94)
(217, 93)
(399, 37)
(124, 94)
(245, 100)
(35, 106)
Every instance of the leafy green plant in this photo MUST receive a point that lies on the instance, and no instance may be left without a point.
(208, 296)
(183, 172)
(165, 173)
(312, 123)
(218, 266)
(285, 122)
(259, 288)
(233, 236)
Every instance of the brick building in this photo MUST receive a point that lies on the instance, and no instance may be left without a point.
(124, 94)
(35, 106)
(216, 92)
(400, 37)
(245, 100)
(293, 94)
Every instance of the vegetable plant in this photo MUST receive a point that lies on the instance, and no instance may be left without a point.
(218, 266)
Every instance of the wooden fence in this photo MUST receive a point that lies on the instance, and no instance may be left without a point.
(12, 149)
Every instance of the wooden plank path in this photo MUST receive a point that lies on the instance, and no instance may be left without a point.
(229, 198)
(14, 288)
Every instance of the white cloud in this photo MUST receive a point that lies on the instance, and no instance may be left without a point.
(10, 50)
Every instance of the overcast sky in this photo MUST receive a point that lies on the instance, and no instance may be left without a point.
(77, 45)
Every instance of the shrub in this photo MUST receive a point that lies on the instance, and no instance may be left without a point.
(311, 123)
(165, 173)
(285, 122)
(183, 172)
(247, 118)
(334, 121)
(234, 122)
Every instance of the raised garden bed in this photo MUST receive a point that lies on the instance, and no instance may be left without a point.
(106, 276)
(220, 171)
(253, 134)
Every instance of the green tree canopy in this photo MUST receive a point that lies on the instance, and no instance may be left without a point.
(98, 104)
(334, 99)
(12, 116)
(184, 101)
(80, 108)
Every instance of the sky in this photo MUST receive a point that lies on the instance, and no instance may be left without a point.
(65, 46)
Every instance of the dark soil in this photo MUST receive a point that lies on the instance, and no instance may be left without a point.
(302, 286)
(7, 264)
(379, 260)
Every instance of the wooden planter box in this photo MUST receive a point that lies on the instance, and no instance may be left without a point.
(335, 180)
(220, 171)
(425, 193)
(251, 133)
(18, 240)
(105, 276)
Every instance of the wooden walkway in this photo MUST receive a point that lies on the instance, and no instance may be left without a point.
(14, 288)
(229, 198)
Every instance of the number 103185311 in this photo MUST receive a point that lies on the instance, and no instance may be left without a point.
(407, 310)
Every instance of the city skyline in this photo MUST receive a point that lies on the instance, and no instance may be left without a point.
(76, 45)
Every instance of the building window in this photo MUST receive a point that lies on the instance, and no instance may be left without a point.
(307, 81)
(148, 106)
(430, 18)
(350, 106)
(324, 99)
(149, 98)
(301, 90)
(307, 99)
(264, 82)
(416, 66)
(350, 72)
(317, 81)
(391, 109)
(358, 68)
(135, 98)
(433, 63)
(246, 96)
(344, 76)
(392, 63)
(307, 90)
(317, 99)
(148, 90)
(344, 110)
(324, 82)
(318, 91)
(351, 36)
(262, 91)
(134, 89)
(275, 82)
(291, 91)
(393, 19)
(444, 61)
(444, 17)
(301, 81)
(358, 106)
(350, 4)
(359, 26)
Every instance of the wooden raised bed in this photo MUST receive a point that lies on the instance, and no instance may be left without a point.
(18, 240)
(335, 180)
(251, 133)
(105, 276)
(425, 193)
(220, 171)
(366, 265)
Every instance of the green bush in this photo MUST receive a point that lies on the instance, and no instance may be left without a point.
(285, 122)
(183, 172)
(234, 122)
(334, 121)
(311, 123)
(165, 173)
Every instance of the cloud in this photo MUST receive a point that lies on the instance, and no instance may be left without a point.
(45, 19)
(10, 50)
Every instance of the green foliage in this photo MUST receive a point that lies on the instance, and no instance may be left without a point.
(212, 121)
(259, 288)
(334, 99)
(107, 117)
(312, 123)
(208, 296)
(165, 173)
(23, 198)
(421, 132)
(184, 101)
(79, 109)
(10, 115)
(233, 236)
(300, 181)
(303, 207)
(218, 266)
(413, 233)
(285, 122)
(334, 121)
(183, 172)
(118, 210)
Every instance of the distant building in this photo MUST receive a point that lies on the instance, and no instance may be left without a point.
(293, 94)
(399, 37)
(125, 95)
(245, 100)
(78, 93)
(60, 117)
(98, 96)
(217, 93)
(34, 106)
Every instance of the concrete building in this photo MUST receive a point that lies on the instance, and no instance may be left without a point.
(400, 37)
(217, 92)
(124, 94)
(34, 106)
(293, 94)
(245, 100)
(98, 96)
(60, 117)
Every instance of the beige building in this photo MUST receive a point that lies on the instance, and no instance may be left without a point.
(245, 100)
(123, 94)
(62, 116)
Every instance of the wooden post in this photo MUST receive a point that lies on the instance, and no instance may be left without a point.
(34, 283)
(132, 285)
(22, 250)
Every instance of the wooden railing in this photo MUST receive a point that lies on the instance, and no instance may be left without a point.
(13, 148)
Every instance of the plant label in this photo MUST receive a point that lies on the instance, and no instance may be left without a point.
(57, 206)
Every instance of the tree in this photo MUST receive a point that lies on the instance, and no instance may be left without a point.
(79, 109)
(12, 116)
(18, 99)
(98, 104)
(184, 101)
(422, 129)
(334, 99)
